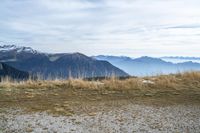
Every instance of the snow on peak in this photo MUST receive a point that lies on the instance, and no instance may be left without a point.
(7, 48)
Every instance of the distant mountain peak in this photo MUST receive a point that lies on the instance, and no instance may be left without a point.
(148, 59)
(58, 65)
(18, 49)
(110, 57)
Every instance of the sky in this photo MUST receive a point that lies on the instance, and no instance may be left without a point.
(103, 27)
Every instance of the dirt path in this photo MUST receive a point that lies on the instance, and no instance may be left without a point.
(127, 119)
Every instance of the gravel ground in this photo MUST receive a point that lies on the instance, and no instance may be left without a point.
(127, 119)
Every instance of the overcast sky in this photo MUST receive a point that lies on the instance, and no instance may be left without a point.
(109, 27)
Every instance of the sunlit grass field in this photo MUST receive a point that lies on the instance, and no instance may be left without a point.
(75, 96)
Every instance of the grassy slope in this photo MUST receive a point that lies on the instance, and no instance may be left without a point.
(76, 96)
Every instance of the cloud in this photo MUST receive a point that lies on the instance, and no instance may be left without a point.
(120, 27)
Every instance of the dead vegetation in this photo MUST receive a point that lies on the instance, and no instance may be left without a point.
(77, 95)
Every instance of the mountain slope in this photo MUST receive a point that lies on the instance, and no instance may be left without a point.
(58, 65)
(145, 66)
(6, 70)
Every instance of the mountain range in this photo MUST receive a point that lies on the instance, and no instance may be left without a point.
(62, 65)
(179, 59)
(148, 66)
(65, 65)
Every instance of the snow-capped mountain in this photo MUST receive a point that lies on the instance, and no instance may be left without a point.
(60, 65)
(18, 49)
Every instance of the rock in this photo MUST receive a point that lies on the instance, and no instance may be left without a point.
(29, 130)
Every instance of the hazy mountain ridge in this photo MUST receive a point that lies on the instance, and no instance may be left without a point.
(62, 65)
(180, 59)
(146, 66)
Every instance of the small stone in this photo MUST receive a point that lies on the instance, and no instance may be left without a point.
(92, 114)
(28, 130)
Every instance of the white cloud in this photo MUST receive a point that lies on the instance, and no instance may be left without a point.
(120, 27)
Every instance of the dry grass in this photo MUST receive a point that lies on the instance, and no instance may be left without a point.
(74, 95)
(163, 81)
